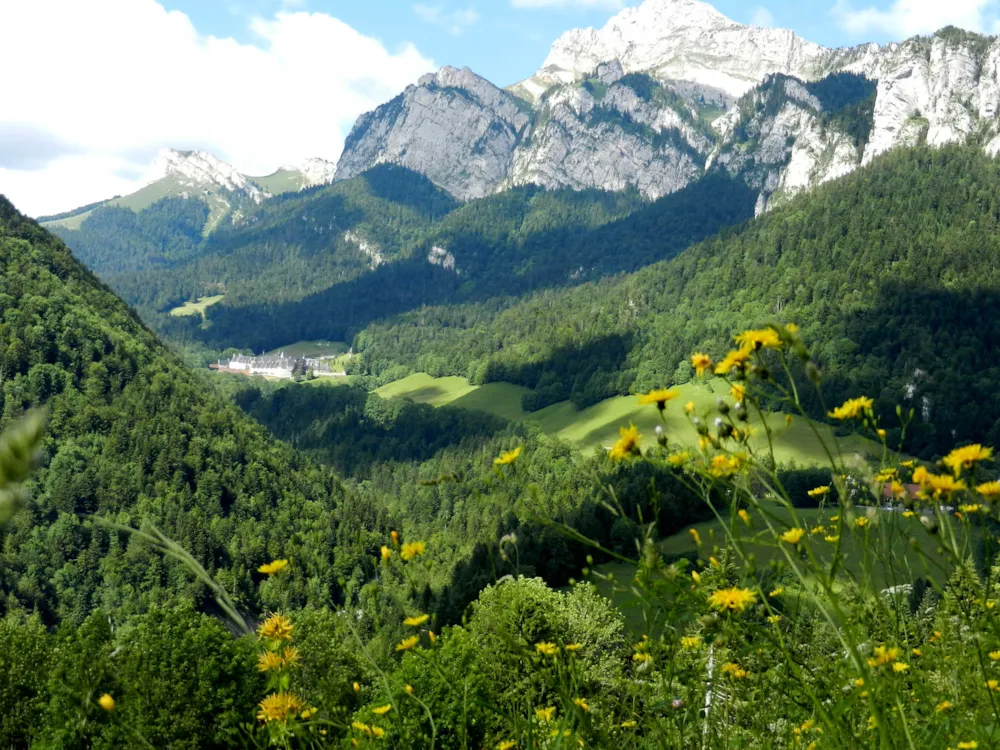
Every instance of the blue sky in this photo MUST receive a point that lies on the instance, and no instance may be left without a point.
(502, 42)
(267, 83)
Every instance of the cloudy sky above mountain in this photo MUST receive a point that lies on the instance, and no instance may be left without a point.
(100, 86)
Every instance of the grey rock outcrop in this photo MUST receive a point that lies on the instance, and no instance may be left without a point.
(454, 126)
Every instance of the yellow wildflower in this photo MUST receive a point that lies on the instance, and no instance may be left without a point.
(407, 643)
(832, 539)
(943, 706)
(764, 337)
(416, 622)
(793, 535)
(861, 522)
(777, 592)
(689, 407)
(860, 682)
(900, 666)
(627, 444)
(582, 703)
(735, 671)
(774, 619)
(989, 490)
(909, 514)
(277, 627)
(547, 649)
(936, 484)
(725, 466)
(106, 702)
(361, 727)
(818, 491)
(630, 724)
(691, 641)
(356, 686)
(508, 457)
(679, 459)
(545, 714)
(395, 537)
(272, 567)
(408, 689)
(994, 655)
(881, 433)
(641, 658)
(279, 707)
(506, 745)
(917, 652)
(269, 662)
(290, 656)
(966, 456)
(883, 655)
(970, 508)
(993, 685)
(386, 553)
(733, 599)
(382, 710)
(735, 359)
(695, 535)
(571, 647)
(968, 745)
(700, 362)
(816, 530)
(659, 397)
(738, 392)
(412, 549)
(853, 408)
(377, 732)
(696, 576)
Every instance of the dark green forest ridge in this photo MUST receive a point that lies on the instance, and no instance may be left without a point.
(892, 272)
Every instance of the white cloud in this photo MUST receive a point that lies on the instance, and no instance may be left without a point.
(761, 17)
(455, 22)
(604, 4)
(101, 90)
(905, 18)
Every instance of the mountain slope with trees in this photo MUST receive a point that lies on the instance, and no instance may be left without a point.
(892, 272)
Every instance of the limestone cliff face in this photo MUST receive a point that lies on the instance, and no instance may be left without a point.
(671, 88)
(455, 127)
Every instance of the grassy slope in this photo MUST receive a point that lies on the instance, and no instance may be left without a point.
(282, 181)
(598, 425)
(196, 307)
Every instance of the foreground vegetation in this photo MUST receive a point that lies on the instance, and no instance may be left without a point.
(838, 626)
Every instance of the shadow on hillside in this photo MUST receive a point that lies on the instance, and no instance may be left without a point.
(936, 351)
(562, 256)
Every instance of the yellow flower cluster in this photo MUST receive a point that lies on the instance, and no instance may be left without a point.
(279, 707)
(412, 549)
(371, 731)
(853, 408)
(547, 649)
(273, 567)
(735, 671)
(732, 599)
(883, 655)
(965, 457)
(508, 457)
(272, 661)
(627, 444)
(793, 535)
(277, 627)
(660, 397)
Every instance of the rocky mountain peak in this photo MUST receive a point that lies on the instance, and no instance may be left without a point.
(679, 39)
(200, 169)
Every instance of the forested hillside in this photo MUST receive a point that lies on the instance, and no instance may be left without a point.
(892, 272)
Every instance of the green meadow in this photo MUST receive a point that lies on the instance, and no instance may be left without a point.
(196, 307)
(313, 349)
(801, 442)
